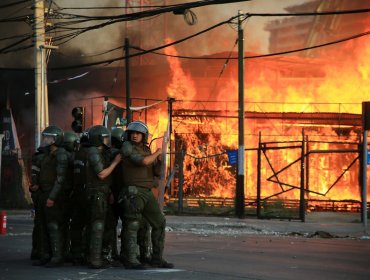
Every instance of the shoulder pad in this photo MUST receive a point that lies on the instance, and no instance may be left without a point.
(93, 155)
(62, 155)
(126, 149)
(94, 158)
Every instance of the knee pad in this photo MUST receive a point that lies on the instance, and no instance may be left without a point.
(98, 226)
(53, 226)
(133, 225)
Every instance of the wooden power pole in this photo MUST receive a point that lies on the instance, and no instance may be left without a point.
(39, 40)
(239, 195)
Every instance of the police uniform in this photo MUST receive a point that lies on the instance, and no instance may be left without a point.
(139, 201)
(53, 168)
(79, 208)
(97, 198)
(35, 196)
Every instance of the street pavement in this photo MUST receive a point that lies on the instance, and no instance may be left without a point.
(326, 246)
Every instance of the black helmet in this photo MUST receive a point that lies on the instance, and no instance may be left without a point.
(96, 135)
(70, 140)
(52, 135)
(116, 137)
(137, 126)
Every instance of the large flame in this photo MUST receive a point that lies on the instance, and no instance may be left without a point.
(338, 83)
(340, 88)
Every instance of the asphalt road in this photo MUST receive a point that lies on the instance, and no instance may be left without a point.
(207, 256)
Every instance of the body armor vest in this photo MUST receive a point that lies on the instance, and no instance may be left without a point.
(134, 174)
(79, 167)
(48, 171)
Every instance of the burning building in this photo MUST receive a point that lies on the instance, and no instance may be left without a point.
(294, 105)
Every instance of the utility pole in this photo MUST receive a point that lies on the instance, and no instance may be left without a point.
(363, 172)
(239, 195)
(44, 108)
(364, 180)
(40, 53)
(170, 102)
(39, 40)
(127, 69)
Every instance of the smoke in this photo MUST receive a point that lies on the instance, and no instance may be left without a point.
(10, 29)
(150, 75)
(223, 38)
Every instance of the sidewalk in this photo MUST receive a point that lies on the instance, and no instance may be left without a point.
(318, 224)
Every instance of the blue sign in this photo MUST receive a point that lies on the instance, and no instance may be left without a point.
(233, 156)
(368, 157)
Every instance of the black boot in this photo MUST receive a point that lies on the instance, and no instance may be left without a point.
(130, 232)
(161, 264)
(41, 262)
(96, 243)
(56, 246)
(158, 235)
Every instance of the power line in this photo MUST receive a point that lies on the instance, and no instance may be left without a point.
(23, 18)
(343, 12)
(13, 4)
(17, 49)
(14, 44)
(161, 10)
(113, 7)
(109, 61)
(69, 36)
(223, 69)
(181, 7)
(312, 47)
(198, 58)
(139, 15)
(262, 55)
(79, 30)
(145, 51)
(14, 37)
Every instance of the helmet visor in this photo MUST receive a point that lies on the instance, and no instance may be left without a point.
(106, 140)
(47, 140)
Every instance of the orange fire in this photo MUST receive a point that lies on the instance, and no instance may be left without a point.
(341, 88)
(211, 128)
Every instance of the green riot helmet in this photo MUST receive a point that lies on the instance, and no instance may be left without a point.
(52, 135)
(137, 126)
(71, 141)
(99, 136)
(116, 137)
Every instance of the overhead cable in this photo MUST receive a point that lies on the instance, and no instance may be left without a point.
(262, 55)
(13, 4)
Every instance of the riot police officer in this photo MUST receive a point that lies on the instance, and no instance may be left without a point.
(35, 196)
(98, 180)
(79, 204)
(110, 251)
(53, 166)
(70, 143)
(139, 167)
